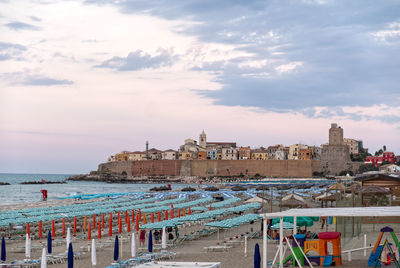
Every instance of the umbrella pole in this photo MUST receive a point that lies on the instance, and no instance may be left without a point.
(121, 247)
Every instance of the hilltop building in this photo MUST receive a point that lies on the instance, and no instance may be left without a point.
(378, 160)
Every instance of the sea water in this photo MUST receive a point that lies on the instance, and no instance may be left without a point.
(17, 193)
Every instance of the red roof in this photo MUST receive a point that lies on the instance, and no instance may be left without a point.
(329, 235)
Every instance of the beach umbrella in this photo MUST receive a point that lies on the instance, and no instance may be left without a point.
(166, 215)
(27, 247)
(40, 230)
(89, 233)
(172, 213)
(179, 212)
(3, 250)
(116, 249)
(28, 232)
(144, 218)
(43, 262)
(152, 217)
(159, 216)
(49, 247)
(94, 259)
(257, 256)
(68, 238)
(137, 223)
(128, 227)
(53, 228)
(190, 211)
(184, 212)
(133, 246)
(292, 202)
(70, 256)
(99, 231)
(126, 216)
(150, 246)
(110, 227)
(102, 220)
(63, 226)
(84, 222)
(74, 225)
(140, 213)
(119, 217)
(119, 225)
(133, 215)
(375, 190)
(94, 221)
(164, 239)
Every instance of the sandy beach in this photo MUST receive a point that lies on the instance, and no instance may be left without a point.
(191, 251)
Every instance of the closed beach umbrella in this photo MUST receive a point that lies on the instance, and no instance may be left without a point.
(116, 249)
(128, 227)
(257, 256)
(28, 232)
(159, 216)
(84, 222)
(43, 262)
(110, 226)
(40, 229)
(133, 246)
(3, 250)
(70, 256)
(164, 238)
(94, 259)
(74, 225)
(63, 226)
(53, 228)
(89, 231)
(27, 247)
(68, 238)
(150, 246)
(49, 247)
(166, 215)
(99, 231)
(137, 223)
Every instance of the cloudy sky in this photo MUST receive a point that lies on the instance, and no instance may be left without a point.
(81, 80)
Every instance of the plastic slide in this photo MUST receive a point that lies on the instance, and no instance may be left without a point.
(327, 261)
(287, 259)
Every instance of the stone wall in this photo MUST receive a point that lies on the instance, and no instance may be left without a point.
(203, 168)
(116, 168)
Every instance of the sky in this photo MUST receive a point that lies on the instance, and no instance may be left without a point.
(82, 80)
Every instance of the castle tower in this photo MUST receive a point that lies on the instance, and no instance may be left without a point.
(335, 135)
(335, 156)
(203, 140)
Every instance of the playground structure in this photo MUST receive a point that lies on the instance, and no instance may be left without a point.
(300, 247)
(377, 255)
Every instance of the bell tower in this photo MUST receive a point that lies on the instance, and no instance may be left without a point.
(203, 140)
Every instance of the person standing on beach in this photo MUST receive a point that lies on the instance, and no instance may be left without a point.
(142, 238)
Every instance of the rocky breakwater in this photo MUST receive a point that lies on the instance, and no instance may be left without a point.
(116, 178)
